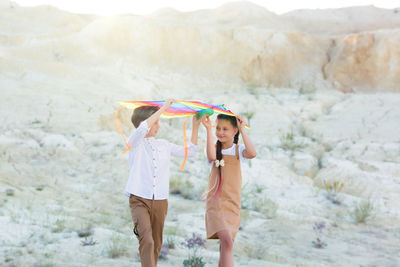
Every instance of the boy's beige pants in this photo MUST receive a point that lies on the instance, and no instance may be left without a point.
(148, 218)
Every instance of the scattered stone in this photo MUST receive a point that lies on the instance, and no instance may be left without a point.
(39, 188)
(10, 192)
(85, 232)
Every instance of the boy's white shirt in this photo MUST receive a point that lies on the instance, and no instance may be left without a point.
(149, 162)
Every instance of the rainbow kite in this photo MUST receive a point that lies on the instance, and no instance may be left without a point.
(179, 108)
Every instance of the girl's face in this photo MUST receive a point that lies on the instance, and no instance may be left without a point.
(154, 129)
(225, 131)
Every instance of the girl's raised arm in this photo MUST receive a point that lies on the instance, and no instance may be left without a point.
(250, 150)
(211, 152)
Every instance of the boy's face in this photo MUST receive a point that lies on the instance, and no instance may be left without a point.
(154, 129)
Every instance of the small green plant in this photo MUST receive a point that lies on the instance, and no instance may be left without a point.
(183, 187)
(288, 142)
(253, 199)
(48, 255)
(88, 231)
(170, 230)
(194, 262)
(58, 227)
(39, 188)
(10, 192)
(116, 248)
(171, 241)
(332, 189)
(362, 211)
(194, 244)
(259, 188)
(170, 233)
(177, 184)
(265, 206)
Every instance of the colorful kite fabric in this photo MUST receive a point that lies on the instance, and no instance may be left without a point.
(179, 108)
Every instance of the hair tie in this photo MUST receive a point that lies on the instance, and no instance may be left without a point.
(219, 163)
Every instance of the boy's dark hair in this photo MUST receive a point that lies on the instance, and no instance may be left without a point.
(142, 113)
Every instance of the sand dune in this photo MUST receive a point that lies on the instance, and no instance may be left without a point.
(355, 53)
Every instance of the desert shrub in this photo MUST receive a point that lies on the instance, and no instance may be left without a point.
(332, 189)
(362, 211)
(116, 247)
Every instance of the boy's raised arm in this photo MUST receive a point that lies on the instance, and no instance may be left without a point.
(153, 118)
(145, 126)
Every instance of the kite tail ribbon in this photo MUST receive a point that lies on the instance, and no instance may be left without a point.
(120, 130)
(185, 140)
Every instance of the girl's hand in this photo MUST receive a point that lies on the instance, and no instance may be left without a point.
(196, 120)
(206, 122)
(240, 122)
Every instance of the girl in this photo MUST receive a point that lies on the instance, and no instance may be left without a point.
(225, 182)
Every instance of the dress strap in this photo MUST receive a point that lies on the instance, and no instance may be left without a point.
(237, 151)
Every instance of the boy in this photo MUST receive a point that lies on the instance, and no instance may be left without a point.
(148, 184)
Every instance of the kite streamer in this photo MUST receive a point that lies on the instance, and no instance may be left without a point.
(179, 108)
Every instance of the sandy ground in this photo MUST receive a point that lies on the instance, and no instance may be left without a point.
(62, 171)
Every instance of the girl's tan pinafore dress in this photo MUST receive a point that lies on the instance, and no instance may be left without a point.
(223, 212)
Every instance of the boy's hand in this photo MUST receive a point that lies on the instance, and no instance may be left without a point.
(156, 116)
(168, 103)
(205, 120)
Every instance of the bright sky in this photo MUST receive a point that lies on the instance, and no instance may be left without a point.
(104, 7)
